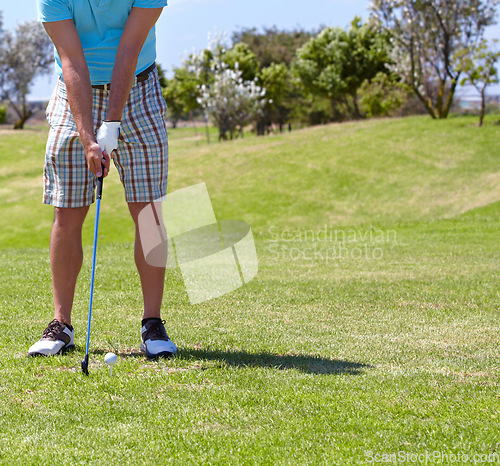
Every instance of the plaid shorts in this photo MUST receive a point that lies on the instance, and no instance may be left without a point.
(141, 158)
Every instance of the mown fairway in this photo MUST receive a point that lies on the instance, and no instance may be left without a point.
(372, 327)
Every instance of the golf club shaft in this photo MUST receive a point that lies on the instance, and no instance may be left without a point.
(94, 253)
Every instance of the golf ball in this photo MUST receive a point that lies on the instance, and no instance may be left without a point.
(110, 358)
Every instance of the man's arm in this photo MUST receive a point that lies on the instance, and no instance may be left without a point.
(139, 23)
(77, 81)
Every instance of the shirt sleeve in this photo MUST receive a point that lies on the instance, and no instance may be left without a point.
(53, 10)
(150, 3)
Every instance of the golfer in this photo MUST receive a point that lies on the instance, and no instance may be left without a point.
(107, 104)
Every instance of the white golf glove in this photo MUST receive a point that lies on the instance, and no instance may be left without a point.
(107, 136)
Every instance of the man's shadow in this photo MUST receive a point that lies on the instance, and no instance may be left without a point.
(304, 363)
(241, 359)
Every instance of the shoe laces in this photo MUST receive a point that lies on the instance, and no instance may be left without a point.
(156, 330)
(53, 328)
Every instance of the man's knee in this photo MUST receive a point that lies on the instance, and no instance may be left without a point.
(70, 219)
(151, 232)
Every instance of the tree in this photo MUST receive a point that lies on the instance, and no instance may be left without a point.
(226, 97)
(242, 57)
(272, 45)
(480, 70)
(382, 95)
(173, 98)
(26, 54)
(231, 101)
(3, 68)
(277, 48)
(275, 79)
(335, 63)
(181, 94)
(426, 36)
(162, 79)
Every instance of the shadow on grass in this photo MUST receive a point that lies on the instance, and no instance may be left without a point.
(304, 363)
(242, 359)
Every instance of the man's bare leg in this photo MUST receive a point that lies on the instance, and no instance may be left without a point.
(152, 278)
(66, 257)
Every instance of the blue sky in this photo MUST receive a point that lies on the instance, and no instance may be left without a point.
(185, 24)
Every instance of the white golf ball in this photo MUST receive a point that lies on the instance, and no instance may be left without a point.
(110, 358)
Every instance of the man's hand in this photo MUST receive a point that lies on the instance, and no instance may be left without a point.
(107, 136)
(97, 160)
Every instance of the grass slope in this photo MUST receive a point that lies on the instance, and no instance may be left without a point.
(372, 325)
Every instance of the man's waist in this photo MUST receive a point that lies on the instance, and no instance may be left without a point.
(139, 78)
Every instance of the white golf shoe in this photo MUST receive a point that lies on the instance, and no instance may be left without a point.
(155, 342)
(56, 339)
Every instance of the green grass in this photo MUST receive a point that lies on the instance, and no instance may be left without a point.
(373, 324)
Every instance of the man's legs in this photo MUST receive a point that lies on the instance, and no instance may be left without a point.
(155, 341)
(66, 257)
(152, 278)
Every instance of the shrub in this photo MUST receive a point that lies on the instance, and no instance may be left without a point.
(381, 96)
(3, 114)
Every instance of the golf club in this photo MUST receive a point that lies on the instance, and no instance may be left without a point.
(85, 362)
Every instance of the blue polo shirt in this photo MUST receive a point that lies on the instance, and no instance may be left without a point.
(100, 25)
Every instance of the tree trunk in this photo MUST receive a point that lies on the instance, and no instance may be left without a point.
(427, 104)
(483, 107)
(449, 99)
(357, 114)
(261, 128)
(23, 114)
(439, 103)
(336, 114)
(20, 123)
(206, 128)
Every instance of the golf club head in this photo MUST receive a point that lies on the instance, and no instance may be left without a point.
(85, 365)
